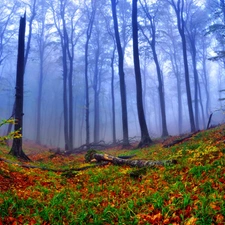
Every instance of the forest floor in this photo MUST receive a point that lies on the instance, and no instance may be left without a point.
(189, 192)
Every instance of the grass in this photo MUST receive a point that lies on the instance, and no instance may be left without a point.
(190, 192)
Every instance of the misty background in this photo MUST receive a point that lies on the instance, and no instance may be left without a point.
(58, 34)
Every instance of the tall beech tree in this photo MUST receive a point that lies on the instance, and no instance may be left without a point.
(91, 18)
(179, 11)
(66, 16)
(152, 27)
(145, 138)
(32, 6)
(42, 46)
(121, 75)
(16, 149)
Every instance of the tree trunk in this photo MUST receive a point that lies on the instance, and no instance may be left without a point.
(121, 75)
(180, 24)
(113, 98)
(27, 51)
(196, 84)
(96, 87)
(41, 43)
(145, 138)
(16, 149)
(161, 94)
(40, 86)
(88, 36)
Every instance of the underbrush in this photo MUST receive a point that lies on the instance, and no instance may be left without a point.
(190, 192)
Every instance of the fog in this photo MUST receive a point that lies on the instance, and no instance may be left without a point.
(52, 33)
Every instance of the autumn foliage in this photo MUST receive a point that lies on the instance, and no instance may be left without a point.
(189, 192)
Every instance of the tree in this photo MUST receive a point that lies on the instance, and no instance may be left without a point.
(32, 8)
(91, 18)
(145, 138)
(153, 29)
(121, 75)
(42, 45)
(173, 52)
(179, 10)
(66, 15)
(16, 149)
(195, 24)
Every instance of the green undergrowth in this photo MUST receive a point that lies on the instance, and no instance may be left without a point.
(189, 192)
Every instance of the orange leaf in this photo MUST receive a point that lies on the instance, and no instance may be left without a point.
(166, 221)
(219, 218)
(157, 217)
(191, 221)
(214, 206)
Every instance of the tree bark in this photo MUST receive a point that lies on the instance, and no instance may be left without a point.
(145, 138)
(16, 149)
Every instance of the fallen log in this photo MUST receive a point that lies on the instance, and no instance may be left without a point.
(182, 139)
(134, 163)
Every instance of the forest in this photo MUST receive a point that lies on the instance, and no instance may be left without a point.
(112, 112)
(80, 75)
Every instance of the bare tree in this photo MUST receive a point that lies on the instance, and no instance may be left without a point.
(42, 46)
(145, 138)
(179, 10)
(65, 21)
(91, 18)
(121, 75)
(16, 149)
(152, 43)
(32, 7)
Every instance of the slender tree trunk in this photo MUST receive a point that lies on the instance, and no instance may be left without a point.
(196, 83)
(179, 94)
(39, 105)
(88, 36)
(202, 108)
(70, 92)
(205, 77)
(113, 98)
(122, 77)
(145, 138)
(96, 96)
(187, 82)
(70, 89)
(87, 94)
(65, 101)
(161, 94)
(16, 149)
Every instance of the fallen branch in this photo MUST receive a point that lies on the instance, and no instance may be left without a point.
(177, 141)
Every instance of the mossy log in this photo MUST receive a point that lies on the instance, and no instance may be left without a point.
(134, 163)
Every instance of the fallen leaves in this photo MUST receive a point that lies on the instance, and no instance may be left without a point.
(181, 194)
